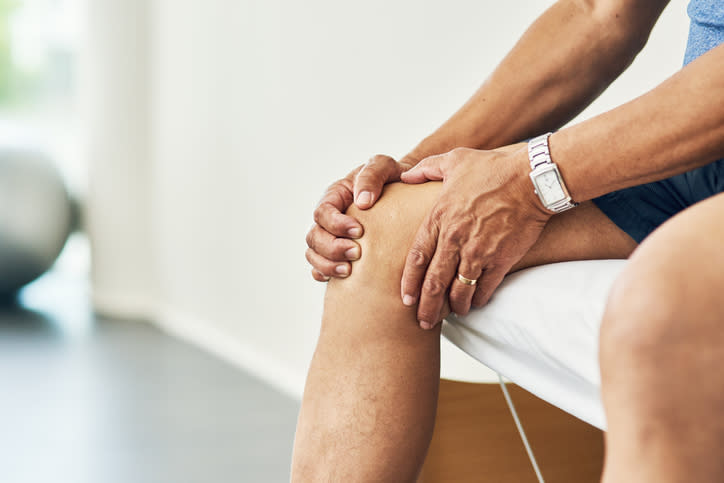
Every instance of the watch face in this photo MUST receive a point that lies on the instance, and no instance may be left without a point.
(549, 187)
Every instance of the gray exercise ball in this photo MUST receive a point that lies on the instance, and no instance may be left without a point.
(36, 216)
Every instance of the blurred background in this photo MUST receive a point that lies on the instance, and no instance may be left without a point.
(174, 151)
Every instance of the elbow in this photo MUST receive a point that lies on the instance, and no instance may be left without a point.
(623, 25)
(631, 21)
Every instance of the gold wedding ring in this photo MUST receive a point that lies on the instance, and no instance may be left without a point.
(466, 281)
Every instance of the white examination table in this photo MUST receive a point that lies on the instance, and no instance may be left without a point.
(540, 331)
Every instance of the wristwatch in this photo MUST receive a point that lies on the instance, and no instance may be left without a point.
(547, 180)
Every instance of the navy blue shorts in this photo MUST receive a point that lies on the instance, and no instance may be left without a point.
(639, 210)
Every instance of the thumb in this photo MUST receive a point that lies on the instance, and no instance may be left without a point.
(429, 169)
(368, 183)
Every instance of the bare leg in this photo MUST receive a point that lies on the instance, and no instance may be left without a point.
(662, 355)
(370, 399)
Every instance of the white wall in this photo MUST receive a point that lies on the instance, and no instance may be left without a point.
(255, 106)
(116, 112)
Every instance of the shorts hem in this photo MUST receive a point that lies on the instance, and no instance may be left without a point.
(622, 213)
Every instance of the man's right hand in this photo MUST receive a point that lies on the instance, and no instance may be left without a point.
(331, 238)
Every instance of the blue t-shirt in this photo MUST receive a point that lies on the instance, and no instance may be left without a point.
(639, 210)
(707, 27)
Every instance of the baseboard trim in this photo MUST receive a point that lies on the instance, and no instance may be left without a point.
(197, 332)
(129, 307)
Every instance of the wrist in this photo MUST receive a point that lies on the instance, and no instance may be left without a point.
(529, 195)
(546, 177)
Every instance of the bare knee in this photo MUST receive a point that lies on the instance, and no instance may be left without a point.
(641, 320)
(661, 330)
(389, 229)
(666, 303)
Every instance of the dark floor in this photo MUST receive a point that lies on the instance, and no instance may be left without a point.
(91, 400)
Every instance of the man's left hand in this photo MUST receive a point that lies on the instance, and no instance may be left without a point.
(485, 220)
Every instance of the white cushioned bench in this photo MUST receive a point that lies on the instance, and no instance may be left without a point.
(540, 331)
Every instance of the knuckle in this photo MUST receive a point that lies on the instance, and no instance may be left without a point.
(418, 258)
(321, 213)
(340, 184)
(364, 175)
(334, 224)
(456, 234)
(459, 151)
(369, 175)
(333, 187)
(473, 253)
(458, 295)
(448, 251)
(433, 287)
(456, 153)
(343, 186)
(376, 168)
(433, 221)
(337, 250)
(379, 159)
(492, 270)
(331, 193)
(311, 242)
(373, 160)
(459, 305)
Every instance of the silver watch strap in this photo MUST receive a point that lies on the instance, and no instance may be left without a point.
(538, 152)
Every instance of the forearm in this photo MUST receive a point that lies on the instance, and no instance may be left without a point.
(561, 64)
(672, 129)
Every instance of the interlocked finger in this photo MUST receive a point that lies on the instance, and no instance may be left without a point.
(327, 268)
(330, 218)
(331, 247)
(317, 275)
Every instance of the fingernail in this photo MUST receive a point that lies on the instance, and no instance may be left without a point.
(342, 269)
(364, 198)
(352, 253)
(425, 325)
(355, 232)
(408, 300)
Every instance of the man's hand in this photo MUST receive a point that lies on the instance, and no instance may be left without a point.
(486, 218)
(330, 240)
